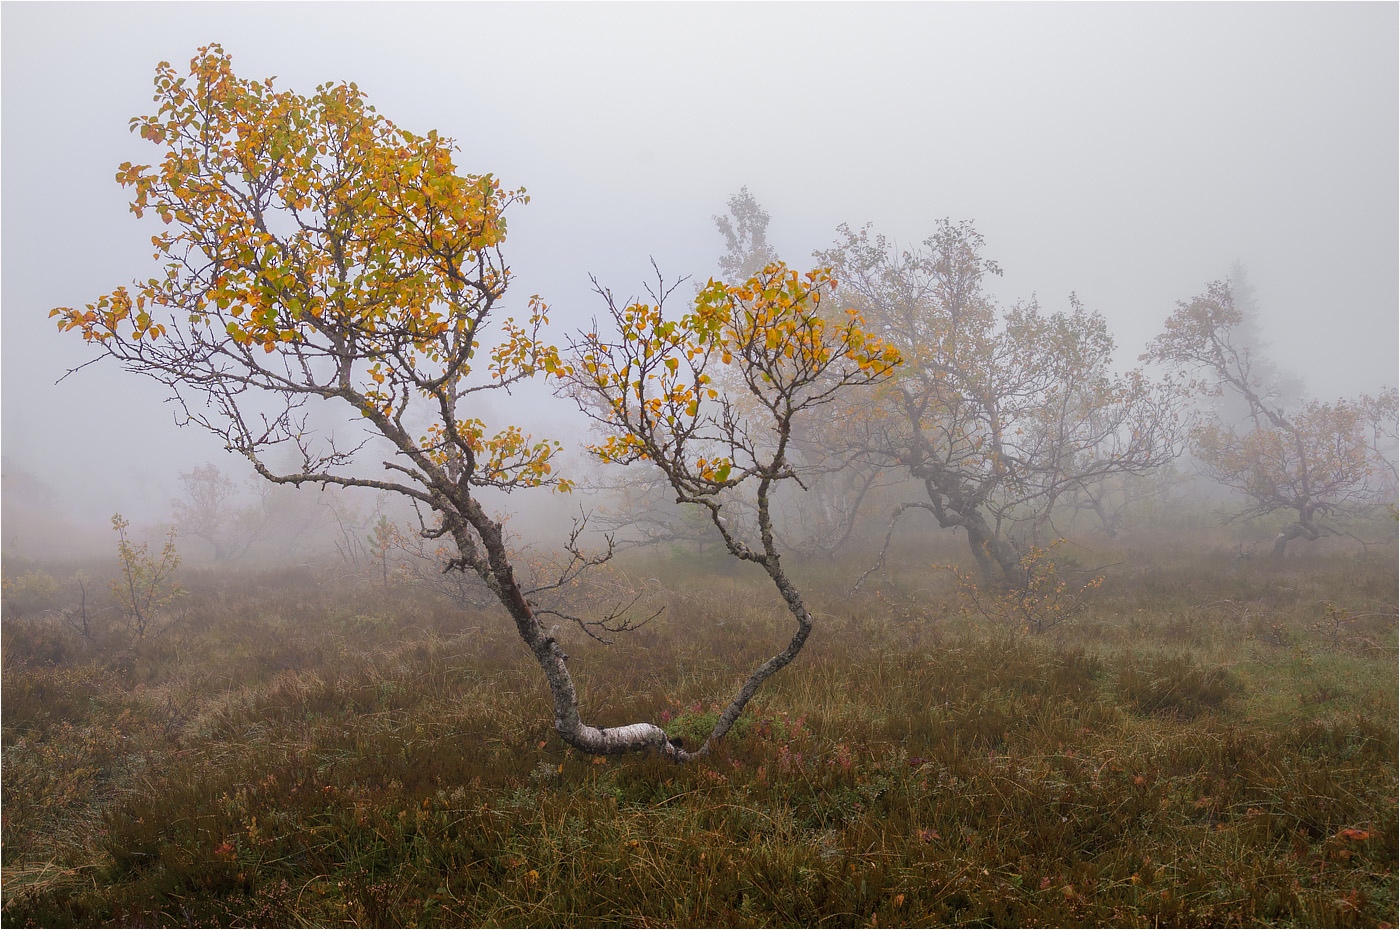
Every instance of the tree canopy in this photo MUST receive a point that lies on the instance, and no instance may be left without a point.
(712, 398)
(998, 413)
(1315, 459)
(313, 249)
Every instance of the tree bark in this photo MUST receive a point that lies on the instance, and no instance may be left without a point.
(1291, 532)
(997, 560)
(495, 569)
(765, 671)
(1303, 527)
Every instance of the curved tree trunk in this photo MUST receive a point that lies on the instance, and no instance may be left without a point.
(1291, 532)
(495, 569)
(953, 505)
(997, 560)
(765, 671)
(1303, 527)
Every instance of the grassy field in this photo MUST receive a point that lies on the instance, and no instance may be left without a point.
(1209, 741)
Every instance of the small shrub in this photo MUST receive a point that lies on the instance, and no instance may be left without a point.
(27, 593)
(1041, 601)
(144, 590)
(695, 723)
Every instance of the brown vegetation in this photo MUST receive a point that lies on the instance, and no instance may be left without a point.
(1208, 741)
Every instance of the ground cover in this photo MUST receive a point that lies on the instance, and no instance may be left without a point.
(1208, 741)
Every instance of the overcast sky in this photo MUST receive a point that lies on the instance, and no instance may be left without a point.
(1127, 152)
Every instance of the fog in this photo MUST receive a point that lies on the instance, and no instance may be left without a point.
(1129, 153)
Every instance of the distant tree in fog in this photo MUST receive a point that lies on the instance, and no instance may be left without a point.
(1248, 336)
(208, 509)
(1322, 461)
(745, 232)
(315, 252)
(1116, 501)
(1001, 415)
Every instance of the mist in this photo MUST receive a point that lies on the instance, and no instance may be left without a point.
(1126, 153)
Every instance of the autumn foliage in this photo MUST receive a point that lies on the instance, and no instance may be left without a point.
(768, 342)
(312, 247)
(314, 251)
(1318, 460)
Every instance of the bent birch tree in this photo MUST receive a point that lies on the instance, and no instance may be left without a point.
(317, 254)
(712, 399)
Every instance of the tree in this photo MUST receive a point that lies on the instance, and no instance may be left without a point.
(383, 539)
(998, 415)
(318, 254)
(1116, 501)
(1248, 336)
(204, 509)
(207, 509)
(653, 391)
(1315, 459)
(745, 232)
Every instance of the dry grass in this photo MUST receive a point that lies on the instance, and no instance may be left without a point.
(1208, 742)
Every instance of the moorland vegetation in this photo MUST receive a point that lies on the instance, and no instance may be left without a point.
(1208, 741)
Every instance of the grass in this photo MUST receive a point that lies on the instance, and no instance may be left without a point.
(1205, 743)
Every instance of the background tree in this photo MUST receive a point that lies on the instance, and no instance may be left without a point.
(1286, 388)
(383, 539)
(1117, 501)
(1382, 427)
(208, 509)
(997, 414)
(653, 390)
(745, 232)
(1333, 460)
(318, 254)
